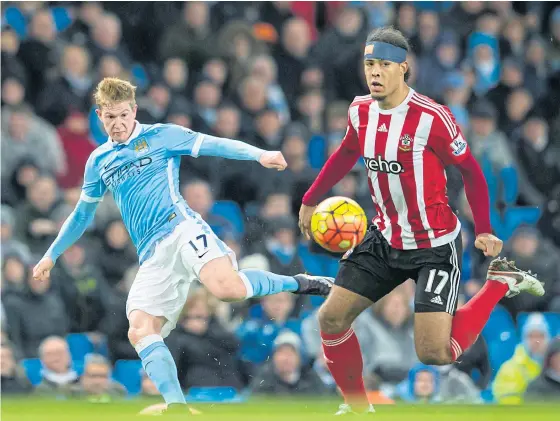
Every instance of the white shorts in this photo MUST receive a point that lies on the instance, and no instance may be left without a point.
(162, 283)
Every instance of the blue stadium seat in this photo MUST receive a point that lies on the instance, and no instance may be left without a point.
(62, 18)
(79, 345)
(127, 373)
(232, 212)
(214, 394)
(501, 336)
(317, 151)
(17, 20)
(553, 320)
(32, 367)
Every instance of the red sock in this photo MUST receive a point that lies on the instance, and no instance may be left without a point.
(470, 319)
(344, 359)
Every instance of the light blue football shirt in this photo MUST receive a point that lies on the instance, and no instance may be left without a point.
(143, 177)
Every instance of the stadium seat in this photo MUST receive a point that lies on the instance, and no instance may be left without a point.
(214, 394)
(553, 320)
(62, 18)
(232, 212)
(79, 345)
(32, 367)
(317, 151)
(16, 20)
(127, 373)
(501, 336)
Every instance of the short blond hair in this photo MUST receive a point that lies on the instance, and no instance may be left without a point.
(112, 90)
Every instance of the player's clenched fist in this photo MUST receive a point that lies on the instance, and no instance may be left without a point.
(305, 214)
(42, 270)
(489, 244)
(273, 159)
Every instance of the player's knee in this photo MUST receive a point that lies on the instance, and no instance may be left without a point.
(142, 325)
(332, 322)
(435, 356)
(227, 288)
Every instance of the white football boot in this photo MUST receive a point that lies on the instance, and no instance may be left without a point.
(345, 409)
(517, 280)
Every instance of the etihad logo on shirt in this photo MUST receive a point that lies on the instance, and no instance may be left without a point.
(379, 164)
(141, 146)
(115, 176)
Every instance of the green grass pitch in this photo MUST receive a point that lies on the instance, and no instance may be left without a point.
(278, 410)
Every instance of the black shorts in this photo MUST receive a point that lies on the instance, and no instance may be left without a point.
(373, 269)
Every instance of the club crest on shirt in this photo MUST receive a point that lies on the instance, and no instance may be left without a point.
(141, 146)
(406, 143)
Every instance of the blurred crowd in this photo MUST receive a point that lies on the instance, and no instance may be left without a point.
(279, 75)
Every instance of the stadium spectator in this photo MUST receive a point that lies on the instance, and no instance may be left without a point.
(106, 38)
(514, 375)
(13, 91)
(40, 52)
(217, 71)
(26, 135)
(476, 364)
(546, 387)
(199, 197)
(528, 247)
(8, 243)
(82, 287)
(281, 246)
(257, 334)
(77, 146)
(207, 96)
(392, 347)
(153, 106)
(423, 385)
(291, 55)
(518, 105)
(96, 383)
(268, 129)
(79, 31)
(34, 314)
(14, 273)
(12, 67)
(115, 323)
(12, 380)
(176, 75)
(71, 91)
(57, 375)
(285, 374)
(190, 38)
(117, 253)
(205, 352)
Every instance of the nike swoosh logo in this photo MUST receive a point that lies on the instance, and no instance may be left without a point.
(200, 256)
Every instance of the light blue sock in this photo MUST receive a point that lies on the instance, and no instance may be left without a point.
(260, 283)
(160, 367)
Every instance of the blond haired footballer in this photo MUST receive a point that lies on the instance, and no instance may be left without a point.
(139, 165)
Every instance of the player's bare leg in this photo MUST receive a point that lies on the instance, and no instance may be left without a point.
(341, 347)
(441, 339)
(431, 337)
(227, 284)
(144, 334)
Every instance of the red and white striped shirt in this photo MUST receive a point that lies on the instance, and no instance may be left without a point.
(406, 150)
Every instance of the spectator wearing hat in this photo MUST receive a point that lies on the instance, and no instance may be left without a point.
(514, 375)
(511, 78)
(281, 246)
(546, 387)
(436, 67)
(285, 374)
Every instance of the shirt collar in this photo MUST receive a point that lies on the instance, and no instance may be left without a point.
(135, 133)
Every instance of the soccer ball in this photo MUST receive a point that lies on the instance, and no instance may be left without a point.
(338, 224)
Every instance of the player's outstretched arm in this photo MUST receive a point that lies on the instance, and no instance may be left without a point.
(235, 149)
(476, 190)
(73, 228)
